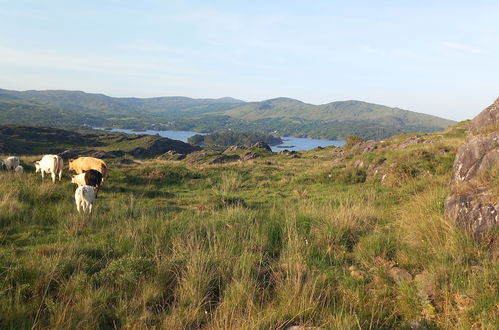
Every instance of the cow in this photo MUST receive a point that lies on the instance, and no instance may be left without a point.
(2, 166)
(11, 163)
(19, 169)
(81, 164)
(85, 199)
(50, 164)
(91, 178)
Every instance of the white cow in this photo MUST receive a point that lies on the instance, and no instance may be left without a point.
(50, 164)
(84, 198)
(11, 163)
(19, 169)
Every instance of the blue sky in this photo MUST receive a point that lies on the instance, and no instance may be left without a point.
(436, 57)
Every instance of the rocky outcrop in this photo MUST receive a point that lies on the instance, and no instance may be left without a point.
(487, 118)
(261, 145)
(249, 155)
(472, 204)
(172, 155)
(364, 147)
(155, 145)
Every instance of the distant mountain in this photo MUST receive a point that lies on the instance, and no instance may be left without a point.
(284, 116)
(286, 108)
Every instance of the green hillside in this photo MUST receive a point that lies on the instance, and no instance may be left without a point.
(284, 108)
(283, 116)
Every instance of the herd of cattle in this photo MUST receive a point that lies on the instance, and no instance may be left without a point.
(90, 173)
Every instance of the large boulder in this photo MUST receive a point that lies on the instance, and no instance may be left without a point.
(487, 118)
(471, 203)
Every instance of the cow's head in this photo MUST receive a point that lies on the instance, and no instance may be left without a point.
(37, 166)
(71, 165)
(73, 179)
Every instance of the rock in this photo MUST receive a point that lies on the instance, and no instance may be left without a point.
(471, 204)
(427, 285)
(487, 118)
(398, 274)
(356, 273)
(224, 159)
(416, 325)
(261, 145)
(473, 211)
(172, 155)
(413, 140)
(363, 147)
(249, 155)
(476, 156)
(358, 163)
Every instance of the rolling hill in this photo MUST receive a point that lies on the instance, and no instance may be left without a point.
(284, 116)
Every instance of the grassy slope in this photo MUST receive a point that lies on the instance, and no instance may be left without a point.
(338, 111)
(30, 140)
(255, 245)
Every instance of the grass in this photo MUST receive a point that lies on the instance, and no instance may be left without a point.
(263, 244)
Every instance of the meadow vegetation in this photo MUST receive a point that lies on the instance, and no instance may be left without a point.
(263, 244)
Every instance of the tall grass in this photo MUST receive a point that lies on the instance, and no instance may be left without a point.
(244, 246)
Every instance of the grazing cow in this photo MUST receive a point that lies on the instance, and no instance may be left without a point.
(11, 163)
(91, 178)
(19, 169)
(84, 198)
(88, 163)
(50, 164)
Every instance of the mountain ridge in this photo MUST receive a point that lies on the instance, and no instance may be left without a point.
(282, 115)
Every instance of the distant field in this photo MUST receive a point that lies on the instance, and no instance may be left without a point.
(262, 244)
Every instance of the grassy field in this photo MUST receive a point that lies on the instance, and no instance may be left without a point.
(263, 244)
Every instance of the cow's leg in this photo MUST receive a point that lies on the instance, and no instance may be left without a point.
(60, 175)
(78, 206)
(52, 173)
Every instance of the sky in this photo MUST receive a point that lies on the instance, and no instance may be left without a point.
(434, 57)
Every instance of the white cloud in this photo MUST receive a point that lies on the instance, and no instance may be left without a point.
(462, 47)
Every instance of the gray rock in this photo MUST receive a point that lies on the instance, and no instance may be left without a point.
(486, 118)
(399, 274)
(358, 163)
(479, 154)
(470, 204)
(363, 147)
(249, 155)
(473, 211)
(261, 145)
